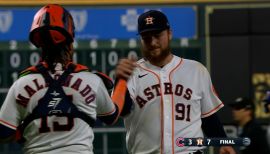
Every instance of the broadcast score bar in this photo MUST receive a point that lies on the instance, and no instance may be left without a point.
(212, 141)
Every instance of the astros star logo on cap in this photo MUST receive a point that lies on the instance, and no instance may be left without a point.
(149, 20)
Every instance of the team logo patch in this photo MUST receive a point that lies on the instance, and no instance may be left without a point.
(180, 142)
(149, 20)
(246, 141)
(199, 141)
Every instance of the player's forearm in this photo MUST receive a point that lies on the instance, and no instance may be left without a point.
(127, 101)
(119, 94)
(212, 126)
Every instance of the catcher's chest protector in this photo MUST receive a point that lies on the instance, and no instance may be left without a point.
(55, 101)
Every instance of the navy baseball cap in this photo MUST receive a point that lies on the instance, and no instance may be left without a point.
(242, 102)
(152, 20)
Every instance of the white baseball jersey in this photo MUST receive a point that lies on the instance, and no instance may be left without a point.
(169, 103)
(88, 94)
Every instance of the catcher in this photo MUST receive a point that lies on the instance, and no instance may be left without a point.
(53, 106)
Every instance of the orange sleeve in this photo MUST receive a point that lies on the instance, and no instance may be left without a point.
(119, 94)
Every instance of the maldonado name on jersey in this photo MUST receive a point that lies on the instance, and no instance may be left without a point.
(35, 86)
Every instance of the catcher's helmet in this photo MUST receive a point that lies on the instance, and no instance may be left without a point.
(52, 23)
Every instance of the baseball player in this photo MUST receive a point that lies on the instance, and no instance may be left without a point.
(168, 97)
(53, 106)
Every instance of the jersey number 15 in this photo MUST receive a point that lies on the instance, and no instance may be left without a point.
(55, 125)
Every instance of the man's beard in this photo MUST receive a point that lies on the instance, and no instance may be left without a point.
(156, 59)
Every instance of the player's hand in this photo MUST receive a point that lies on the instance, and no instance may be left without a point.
(226, 150)
(125, 68)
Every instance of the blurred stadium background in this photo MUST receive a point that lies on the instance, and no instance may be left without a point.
(230, 37)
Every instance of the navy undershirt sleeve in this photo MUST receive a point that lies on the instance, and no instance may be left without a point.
(128, 104)
(109, 119)
(6, 131)
(212, 126)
